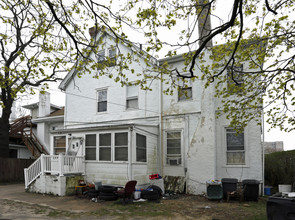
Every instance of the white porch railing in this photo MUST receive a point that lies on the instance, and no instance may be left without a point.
(54, 164)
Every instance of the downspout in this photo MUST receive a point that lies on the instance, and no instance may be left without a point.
(161, 126)
(130, 175)
(262, 149)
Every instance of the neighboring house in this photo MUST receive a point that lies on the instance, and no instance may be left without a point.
(127, 133)
(24, 132)
(270, 147)
(47, 116)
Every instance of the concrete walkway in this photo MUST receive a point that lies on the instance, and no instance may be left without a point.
(16, 192)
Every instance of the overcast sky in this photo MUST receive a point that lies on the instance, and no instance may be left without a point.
(58, 98)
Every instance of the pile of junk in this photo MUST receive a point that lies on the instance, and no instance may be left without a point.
(98, 192)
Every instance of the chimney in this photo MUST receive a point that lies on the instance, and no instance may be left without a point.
(44, 104)
(204, 22)
(93, 31)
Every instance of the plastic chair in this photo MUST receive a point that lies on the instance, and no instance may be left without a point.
(127, 191)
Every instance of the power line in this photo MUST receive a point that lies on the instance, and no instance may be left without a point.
(113, 103)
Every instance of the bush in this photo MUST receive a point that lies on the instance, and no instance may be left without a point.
(279, 168)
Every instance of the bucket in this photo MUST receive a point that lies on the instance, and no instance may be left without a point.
(285, 188)
(137, 194)
(97, 185)
(267, 191)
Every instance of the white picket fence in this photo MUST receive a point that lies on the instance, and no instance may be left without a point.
(54, 164)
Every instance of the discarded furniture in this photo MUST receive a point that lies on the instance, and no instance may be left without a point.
(238, 193)
(127, 191)
(228, 185)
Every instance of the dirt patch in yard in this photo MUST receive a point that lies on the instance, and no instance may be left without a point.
(182, 207)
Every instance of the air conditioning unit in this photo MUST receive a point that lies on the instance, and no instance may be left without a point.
(173, 161)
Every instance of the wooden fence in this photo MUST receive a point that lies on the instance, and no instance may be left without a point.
(12, 169)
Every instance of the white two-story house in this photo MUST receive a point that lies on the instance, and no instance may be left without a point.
(126, 133)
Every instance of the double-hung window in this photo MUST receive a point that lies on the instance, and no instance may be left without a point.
(121, 146)
(235, 78)
(107, 57)
(173, 148)
(90, 146)
(102, 102)
(112, 56)
(59, 144)
(105, 147)
(101, 57)
(185, 90)
(132, 97)
(140, 148)
(235, 154)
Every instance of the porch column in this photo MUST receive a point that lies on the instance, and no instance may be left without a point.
(61, 164)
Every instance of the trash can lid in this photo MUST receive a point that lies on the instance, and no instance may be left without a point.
(250, 182)
(229, 180)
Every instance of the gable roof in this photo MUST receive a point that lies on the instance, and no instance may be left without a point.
(106, 31)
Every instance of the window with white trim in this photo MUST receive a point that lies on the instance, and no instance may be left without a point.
(107, 57)
(90, 147)
(173, 141)
(140, 148)
(102, 102)
(235, 147)
(105, 147)
(235, 78)
(185, 90)
(121, 146)
(101, 57)
(59, 144)
(132, 97)
(112, 52)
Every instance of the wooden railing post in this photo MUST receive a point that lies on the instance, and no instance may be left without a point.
(61, 164)
(26, 177)
(42, 164)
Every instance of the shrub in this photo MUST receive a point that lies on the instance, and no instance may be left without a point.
(279, 168)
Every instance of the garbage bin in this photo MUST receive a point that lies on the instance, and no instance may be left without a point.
(228, 185)
(214, 189)
(280, 208)
(251, 189)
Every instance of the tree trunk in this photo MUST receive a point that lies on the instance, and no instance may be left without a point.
(4, 129)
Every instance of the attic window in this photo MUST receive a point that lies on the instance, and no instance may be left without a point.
(101, 56)
(235, 78)
(112, 56)
(185, 90)
(108, 57)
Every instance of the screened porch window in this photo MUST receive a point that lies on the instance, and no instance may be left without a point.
(105, 147)
(121, 146)
(90, 147)
(140, 148)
